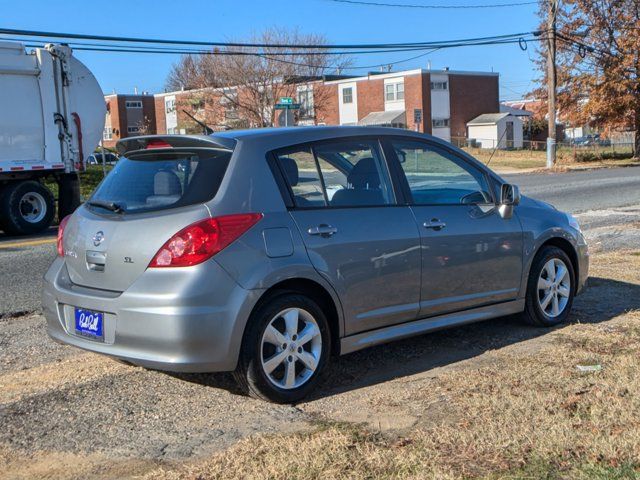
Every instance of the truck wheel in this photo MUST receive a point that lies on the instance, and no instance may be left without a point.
(26, 207)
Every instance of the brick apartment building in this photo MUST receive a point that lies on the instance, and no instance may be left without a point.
(176, 111)
(437, 102)
(128, 115)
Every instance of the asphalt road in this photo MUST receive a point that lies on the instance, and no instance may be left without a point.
(580, 191)
(597, 195)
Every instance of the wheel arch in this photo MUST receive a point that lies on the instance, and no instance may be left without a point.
(314, 290)
(566, 246)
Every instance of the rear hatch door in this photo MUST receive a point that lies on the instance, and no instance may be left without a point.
(146, 199)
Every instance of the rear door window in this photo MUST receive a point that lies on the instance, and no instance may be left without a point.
(344, 173)
(148, 181)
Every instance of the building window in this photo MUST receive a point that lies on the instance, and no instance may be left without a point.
(133, 129)
(394, 91)
(172, 131)
(107, 133)
(440, 122)
(305, 99)
(347, 95)
(133, 104)
(229, 101)
(439, 85)
(198, 105)
(170, 106)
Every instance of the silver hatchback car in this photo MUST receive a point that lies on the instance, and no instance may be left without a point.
(264, 252)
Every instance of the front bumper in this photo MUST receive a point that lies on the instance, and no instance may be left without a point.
(582, 251)
(181, 320)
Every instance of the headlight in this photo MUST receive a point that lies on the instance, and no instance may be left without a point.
(573, 222)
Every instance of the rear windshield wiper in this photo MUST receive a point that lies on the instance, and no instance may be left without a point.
(113, 206)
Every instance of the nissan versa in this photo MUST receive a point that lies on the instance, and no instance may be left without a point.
(264, 252)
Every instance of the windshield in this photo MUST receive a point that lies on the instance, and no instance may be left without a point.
(149, 181)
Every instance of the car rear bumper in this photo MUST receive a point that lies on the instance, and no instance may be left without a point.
(182, 320)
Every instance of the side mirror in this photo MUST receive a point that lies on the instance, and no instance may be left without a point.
(509, 198)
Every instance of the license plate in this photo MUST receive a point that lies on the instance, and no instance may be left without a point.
(89, 324)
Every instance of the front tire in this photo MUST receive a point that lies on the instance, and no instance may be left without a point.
(285, 349)
(550, 288)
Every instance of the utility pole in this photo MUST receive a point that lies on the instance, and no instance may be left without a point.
(551, 82)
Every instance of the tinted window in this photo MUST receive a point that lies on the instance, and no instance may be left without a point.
(301, 173)
(156, 180)
(438, 177)
(337, 174)
(354, 173)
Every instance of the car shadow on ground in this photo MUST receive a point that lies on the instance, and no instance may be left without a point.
(603, 300)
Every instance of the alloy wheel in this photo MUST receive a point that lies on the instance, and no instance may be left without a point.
(554, 287)
(290, 348)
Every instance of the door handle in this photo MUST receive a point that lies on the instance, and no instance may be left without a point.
(323, 230)
(434, 224)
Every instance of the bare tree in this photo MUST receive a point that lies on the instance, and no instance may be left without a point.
(185, 74)
(249, 80)
(145, 126)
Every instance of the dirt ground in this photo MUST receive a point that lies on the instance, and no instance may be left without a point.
(491, 400)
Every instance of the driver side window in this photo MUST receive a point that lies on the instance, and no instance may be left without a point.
(438, 177)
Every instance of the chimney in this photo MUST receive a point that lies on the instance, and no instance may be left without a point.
(135, 90)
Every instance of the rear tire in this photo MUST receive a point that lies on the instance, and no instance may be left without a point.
(550, 288)
(26, 208)
(285, 350)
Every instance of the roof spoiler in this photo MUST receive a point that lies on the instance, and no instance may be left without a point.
(131, 144)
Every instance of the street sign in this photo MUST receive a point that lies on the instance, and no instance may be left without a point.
(287, 106)
(417, 115)
(286, 101)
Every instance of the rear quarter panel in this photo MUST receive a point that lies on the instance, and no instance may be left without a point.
(249, 187)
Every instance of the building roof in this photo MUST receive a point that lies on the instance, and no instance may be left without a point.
(417, 71)
(390, 117)
(488, 119)
(516, 112)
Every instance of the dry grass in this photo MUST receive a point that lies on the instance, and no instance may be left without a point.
(533, 159)
(524, 415)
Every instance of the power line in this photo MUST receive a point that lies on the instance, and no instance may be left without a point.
(102, 38)
(274, 56)
(83, 46)
(433, 7)
(120, 45)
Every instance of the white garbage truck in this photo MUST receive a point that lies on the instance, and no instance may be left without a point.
(52, 114)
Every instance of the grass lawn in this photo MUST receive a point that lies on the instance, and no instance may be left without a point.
(527, 413)
(566, 157)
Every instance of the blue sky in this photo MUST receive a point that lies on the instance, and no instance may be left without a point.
(227, 19)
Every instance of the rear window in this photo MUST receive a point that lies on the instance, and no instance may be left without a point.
(148, 181)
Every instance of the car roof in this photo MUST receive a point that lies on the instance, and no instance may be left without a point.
(277, 137)
(266, 138)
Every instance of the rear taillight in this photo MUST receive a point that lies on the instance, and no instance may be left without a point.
(202, 240)
(63, 223)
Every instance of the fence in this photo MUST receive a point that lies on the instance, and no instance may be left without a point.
(533, 153)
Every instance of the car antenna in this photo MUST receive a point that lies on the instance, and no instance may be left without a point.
(205, 128)
(495, 149)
